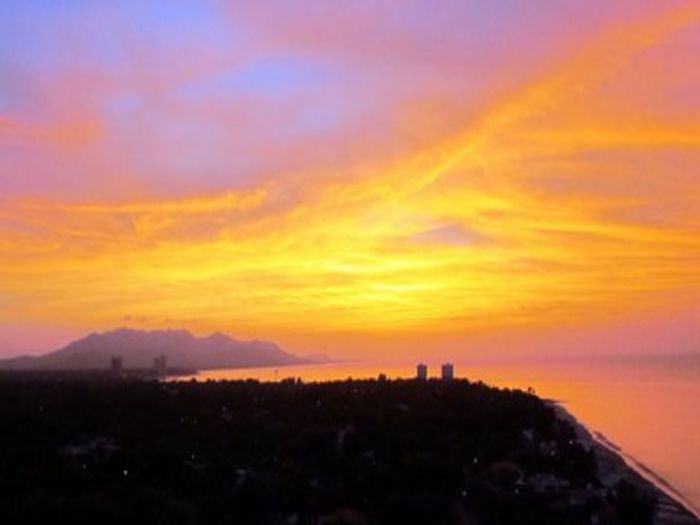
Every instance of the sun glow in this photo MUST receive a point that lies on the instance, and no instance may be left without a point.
(552, 204)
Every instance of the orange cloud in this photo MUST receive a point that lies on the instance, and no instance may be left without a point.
(525, 218)
(71, 134)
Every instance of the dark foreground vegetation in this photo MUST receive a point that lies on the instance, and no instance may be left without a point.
(115, 452)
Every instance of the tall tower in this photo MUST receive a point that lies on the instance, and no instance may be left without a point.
(448, 371)
(422, 371)
(117, 365)
(160, 366)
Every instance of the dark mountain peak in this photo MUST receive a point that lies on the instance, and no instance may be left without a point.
(127, 337)
(139, 348)
(219, 337)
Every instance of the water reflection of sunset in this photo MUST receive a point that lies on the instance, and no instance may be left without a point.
(648, 408)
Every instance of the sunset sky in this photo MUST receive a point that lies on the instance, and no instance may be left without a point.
(364, 178)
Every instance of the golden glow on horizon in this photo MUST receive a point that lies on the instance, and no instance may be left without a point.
(454, 238)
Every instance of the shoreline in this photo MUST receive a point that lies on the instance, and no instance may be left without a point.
(615, 464)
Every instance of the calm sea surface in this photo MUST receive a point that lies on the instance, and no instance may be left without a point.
(650, 408)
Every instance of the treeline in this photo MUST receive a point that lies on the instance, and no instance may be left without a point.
(247, 452)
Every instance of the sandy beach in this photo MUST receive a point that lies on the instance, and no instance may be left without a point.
(615, 465)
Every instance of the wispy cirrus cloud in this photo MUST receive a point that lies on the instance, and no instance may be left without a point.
(312, 185)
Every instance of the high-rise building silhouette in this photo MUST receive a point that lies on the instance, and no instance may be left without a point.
(117, 365)
(448, 371)
(160, 365)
